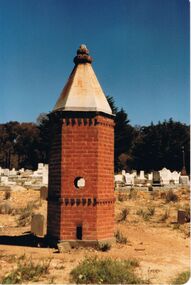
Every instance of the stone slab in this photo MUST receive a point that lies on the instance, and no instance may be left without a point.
(38, 225)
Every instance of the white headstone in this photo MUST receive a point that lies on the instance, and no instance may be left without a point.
(119, 178)
(13, 172)
(184, 180)
(175, 176)
(6, 172)
(129, 179)
(4, 180)
(150, 176)
(45, 175)
(142, 175)
(166, 176)
(40, 166)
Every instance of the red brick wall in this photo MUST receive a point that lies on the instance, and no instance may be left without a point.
(87, 150)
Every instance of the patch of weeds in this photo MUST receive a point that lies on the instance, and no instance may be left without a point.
(139, 212)
(52, 280)
(7, 195)
(165, 216)
(26, 270)
(182, 278)
(9, 258)
(104, 246)
(147, 213)
(26, 214)
(122, 197)
(120, 237)
(154, 194)
(133, 193)
(105, 271)
(6, 208)
(133, 262)
(176, 226)
(123, 215)
(151, 211)
(163, 195)
(171, 196)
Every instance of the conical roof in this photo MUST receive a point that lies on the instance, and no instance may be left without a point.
(82, 91)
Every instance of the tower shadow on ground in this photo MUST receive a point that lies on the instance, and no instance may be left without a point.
(26, 239)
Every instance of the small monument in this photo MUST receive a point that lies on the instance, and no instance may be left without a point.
(81, 168)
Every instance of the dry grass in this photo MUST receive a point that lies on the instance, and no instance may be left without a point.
(123, 215)
(120, 238)
(26, 270)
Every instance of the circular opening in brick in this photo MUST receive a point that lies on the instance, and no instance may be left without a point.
(79, 182)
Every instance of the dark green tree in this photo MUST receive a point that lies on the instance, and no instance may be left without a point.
(160, 145)
(124, 136)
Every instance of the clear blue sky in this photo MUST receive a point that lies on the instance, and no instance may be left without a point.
(140, 50)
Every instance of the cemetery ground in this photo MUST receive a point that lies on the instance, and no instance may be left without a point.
(146, 229)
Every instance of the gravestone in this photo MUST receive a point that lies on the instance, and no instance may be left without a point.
(142, 175)
(175, 176)
(184, 180)
(150, 176)
(129, 179)
(182, 217)
(166, 176)
(119, 178)
(156, 178)
(6, 171)
(44, 193)
(13, 172)
(4, 180)
(40, 166)
(38, 225)
(45, 177)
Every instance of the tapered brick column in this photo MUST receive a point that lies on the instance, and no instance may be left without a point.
(81, 174)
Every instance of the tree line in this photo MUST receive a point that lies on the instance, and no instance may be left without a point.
(136, 147)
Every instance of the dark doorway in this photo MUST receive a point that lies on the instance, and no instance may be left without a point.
(79, 232)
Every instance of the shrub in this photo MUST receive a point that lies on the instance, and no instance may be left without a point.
(7, 195)
(165, 216)
(151, 210)
(24, 218)
(182, 278)
(104, 271)
(176, 226)
(146, 214)
(5, 208)
(133, 194)
(171, 196)
(26, 271)
(154, 194)
(104, 246)
(26, 214)
(122, 197)
(186, 208)
(123, 215)
(120, 237)
(139, 212)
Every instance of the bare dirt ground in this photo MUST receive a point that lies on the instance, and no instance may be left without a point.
(156, 240)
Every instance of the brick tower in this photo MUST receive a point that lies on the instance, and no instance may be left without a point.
(81, 167)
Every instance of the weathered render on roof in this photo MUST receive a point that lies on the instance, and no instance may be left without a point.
(83, 92)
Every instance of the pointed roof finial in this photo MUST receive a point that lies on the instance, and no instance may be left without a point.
(82, 55)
